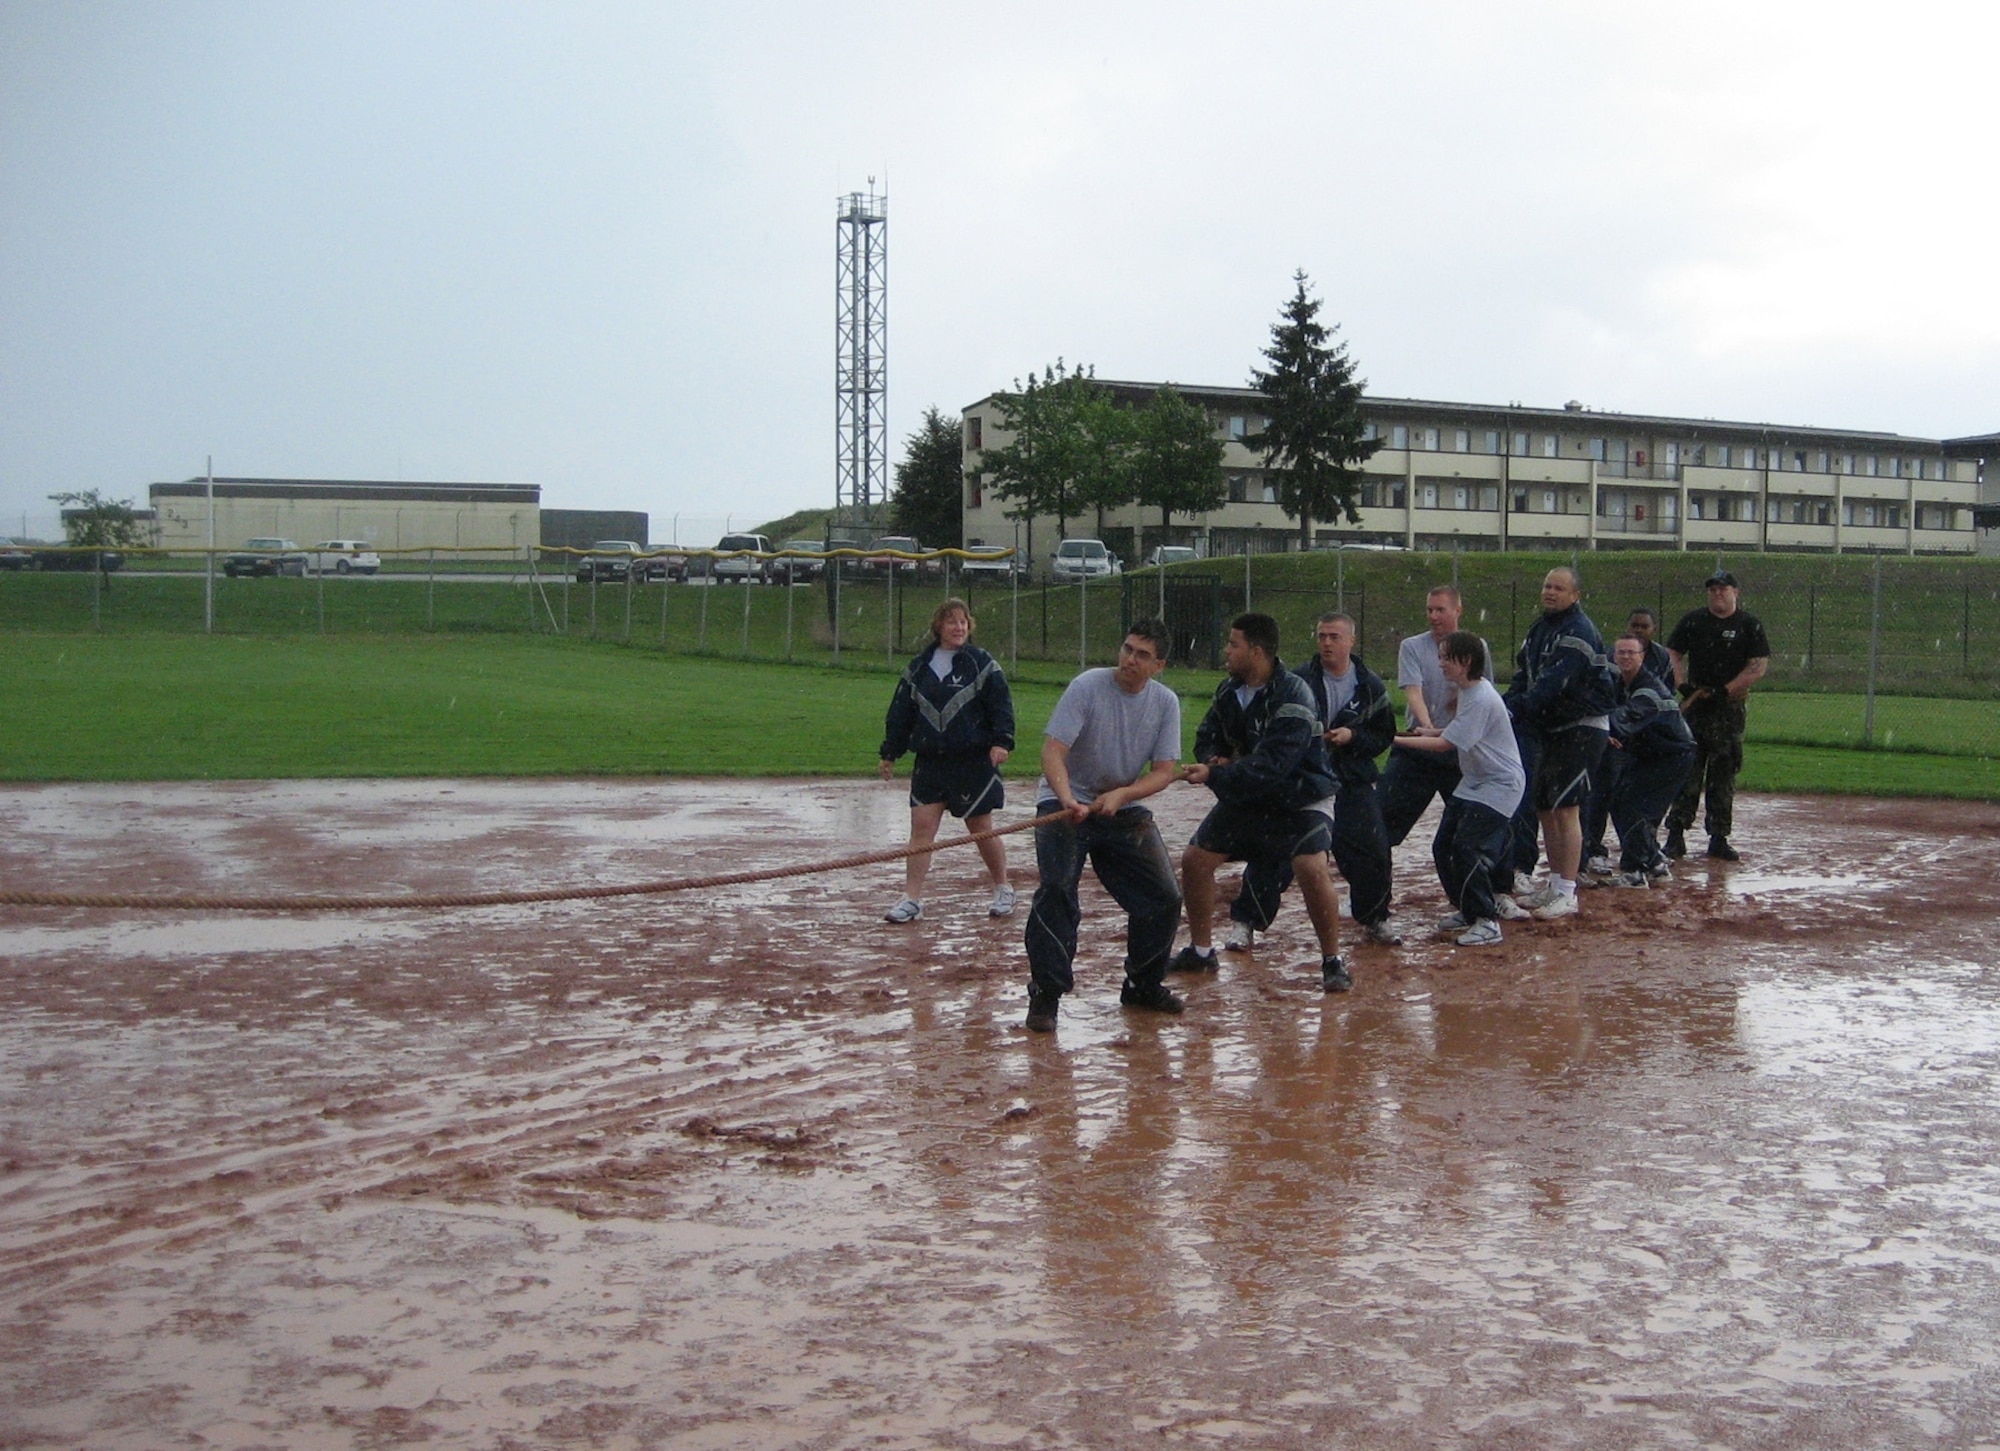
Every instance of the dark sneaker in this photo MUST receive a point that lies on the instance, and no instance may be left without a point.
(1333, 976)
(1042, 1011)
(1189, 959)
(1677, 845)
(1722, 851)
(1155, 999)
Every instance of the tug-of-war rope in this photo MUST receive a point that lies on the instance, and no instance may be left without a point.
(161, 902)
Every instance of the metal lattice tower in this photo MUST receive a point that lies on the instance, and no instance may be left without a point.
(861, 352)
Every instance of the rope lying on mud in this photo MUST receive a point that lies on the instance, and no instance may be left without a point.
(151, 902)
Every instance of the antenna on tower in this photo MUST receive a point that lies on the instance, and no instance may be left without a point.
(861, 357)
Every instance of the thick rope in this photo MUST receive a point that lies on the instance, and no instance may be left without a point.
(148, 902)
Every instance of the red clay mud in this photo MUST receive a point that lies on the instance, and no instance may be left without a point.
(1709, 1166)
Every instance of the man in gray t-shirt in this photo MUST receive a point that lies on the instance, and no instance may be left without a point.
(1114, 739)
(1414, 777)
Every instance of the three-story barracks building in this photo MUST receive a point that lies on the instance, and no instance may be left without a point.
(1481, 476)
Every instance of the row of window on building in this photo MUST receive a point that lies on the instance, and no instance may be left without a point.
(1671, 455)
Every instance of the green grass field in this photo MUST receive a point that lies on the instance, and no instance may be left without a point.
(177, 707)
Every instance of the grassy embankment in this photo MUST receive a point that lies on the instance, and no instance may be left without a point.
(161, 707)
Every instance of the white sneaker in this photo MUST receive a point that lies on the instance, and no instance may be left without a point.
(1526, 884)
(1628, 879)
(1509, 910)
(1483, 933)
(1454, 923)
(1541, 896)
(1563, 904)
(1599, 866)
(1240, 938)
(1003, 901)
(1664, 872)
(904, 911)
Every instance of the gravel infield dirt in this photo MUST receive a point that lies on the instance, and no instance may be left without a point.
(1706, 1166)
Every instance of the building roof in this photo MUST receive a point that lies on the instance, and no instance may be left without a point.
(369, 489)
(1976, 445)
(1573, 417)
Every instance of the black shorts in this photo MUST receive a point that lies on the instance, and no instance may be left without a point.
(967, 786)
(1261, 834)
(1568, 761)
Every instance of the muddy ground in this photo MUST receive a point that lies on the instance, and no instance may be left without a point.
(1710, 1166)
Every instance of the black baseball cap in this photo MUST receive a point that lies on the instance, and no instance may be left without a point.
(1721, 576)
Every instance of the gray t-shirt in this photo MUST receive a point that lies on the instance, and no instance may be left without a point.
(1417, 664)
(1113, 738)
(1489, 762)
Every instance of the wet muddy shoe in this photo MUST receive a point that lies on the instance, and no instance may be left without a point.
(1240, 939)
(1191, 959)
(1155, 999)
(1003, 901)
(1382, 934)
(1333, 975)
(1042, 1011)
(1722, 851)
(1480, 934)
(904, 911)
(1451, 923)
(1508, 910)
(1677, 845)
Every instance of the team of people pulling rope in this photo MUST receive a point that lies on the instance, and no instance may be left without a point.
(1581, 739)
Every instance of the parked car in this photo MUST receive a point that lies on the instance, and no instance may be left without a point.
(343, 556)
(799, 571)
(743, 567)
(609, 561)
(1078, 559)
(989, 559)
(902, 544)
(265, 556)
(1170, 554)
(657, 566)
(15, 554)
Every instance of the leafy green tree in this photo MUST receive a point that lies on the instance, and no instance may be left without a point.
(926, 502)
(1314, 425)
(1066, 450)
(92, 521)
(1176, 458)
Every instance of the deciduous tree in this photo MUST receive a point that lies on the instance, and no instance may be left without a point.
(1176, 458)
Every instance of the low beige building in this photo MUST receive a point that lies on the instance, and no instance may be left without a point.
(1484, 476)
(448, 518)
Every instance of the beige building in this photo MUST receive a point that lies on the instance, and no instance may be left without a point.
(390, 516)
(1481, 476)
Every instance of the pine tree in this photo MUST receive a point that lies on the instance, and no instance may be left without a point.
(1314, 425)
(927, 499)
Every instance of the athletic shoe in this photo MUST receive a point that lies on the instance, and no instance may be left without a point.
(1042, 1011)
(1676, 842)
(1454, 923)
(1660, 873)
(1483, 933)
(1722, 851)
(1333, 975)
(1154, 999)
(1563, 904)
(1508, 910)
(1003, 901)
(1191, 959)
(1628, 879)
(904, 911)
(1540, 897)
(1524, 884)
(1382, 934)
(1599, 866)
(1240, 939)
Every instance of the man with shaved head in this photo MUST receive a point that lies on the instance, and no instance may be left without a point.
(1563, 691)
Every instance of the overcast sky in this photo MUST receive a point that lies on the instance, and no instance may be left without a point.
(591, 246)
